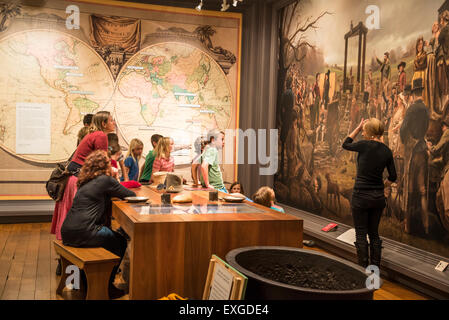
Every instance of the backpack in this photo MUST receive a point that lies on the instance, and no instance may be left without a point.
(58, 180)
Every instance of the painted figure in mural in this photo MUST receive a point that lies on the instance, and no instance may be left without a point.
(354, 114)
(370, 83)
(412, 133)
(433, 43)
(332, 125)
(326, 89)
(431, 70)
(314, 111)
(295, 159)
(402, 77)
(396, 121)
(385, 71)
(438, 152)
(420, 66)
(442, 58)
(287, 104)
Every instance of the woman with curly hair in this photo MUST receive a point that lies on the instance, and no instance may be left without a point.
(88, 223)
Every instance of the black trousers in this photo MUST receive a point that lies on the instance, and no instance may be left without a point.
(367, 207)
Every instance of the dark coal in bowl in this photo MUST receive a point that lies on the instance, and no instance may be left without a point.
(290, 273)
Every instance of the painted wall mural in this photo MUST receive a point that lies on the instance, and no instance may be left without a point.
(340, 62)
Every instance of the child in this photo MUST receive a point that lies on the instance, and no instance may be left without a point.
(266, 197)
(210, 169)
(147, 168)
(113, 140)
(115, 153)
(236, 187)
(199, 145)
(132, 159)
(163, 160)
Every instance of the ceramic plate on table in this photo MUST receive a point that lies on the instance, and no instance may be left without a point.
(136, 199)
(234, 198)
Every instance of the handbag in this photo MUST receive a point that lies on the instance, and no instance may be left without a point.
(58, 180)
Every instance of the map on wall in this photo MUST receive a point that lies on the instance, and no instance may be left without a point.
(42, 66)
(169, 88)
(172, 89)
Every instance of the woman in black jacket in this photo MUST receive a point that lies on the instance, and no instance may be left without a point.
(88, 223)
(368, 199)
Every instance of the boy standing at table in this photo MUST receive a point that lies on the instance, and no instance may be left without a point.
(210, 168)
(147, 168)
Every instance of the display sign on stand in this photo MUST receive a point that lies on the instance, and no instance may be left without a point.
(224, 282)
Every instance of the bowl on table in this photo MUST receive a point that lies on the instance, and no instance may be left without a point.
(136, 199)
(234, 198)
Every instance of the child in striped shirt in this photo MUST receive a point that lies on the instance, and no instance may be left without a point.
(163, 161)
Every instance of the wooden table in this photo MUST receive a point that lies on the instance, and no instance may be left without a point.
(170, 253)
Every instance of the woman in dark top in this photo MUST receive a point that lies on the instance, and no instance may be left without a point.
(88, 223)
(368, 199)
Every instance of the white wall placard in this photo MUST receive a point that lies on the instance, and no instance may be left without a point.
(33, 128)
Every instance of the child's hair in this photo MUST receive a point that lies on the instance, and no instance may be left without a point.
(264, 196)
(162, 149)
(112, 138)
(134, 144)
(113, 148)
(155, 139)
(237, 183)
(98, 120)
(84, 131)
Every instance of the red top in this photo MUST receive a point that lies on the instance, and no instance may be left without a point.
(97, 140)
(114, 163)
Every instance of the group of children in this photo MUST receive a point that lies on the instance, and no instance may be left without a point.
(205, 167)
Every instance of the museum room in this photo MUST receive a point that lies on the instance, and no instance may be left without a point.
(244, 150)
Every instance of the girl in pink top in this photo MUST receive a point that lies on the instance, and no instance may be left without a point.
(163, 161)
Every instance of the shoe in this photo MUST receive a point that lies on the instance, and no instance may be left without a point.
(308, 243)
(59, 268)
(362, 254)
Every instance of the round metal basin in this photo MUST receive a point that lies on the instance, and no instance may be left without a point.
(284, 273)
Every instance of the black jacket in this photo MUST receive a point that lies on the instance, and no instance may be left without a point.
(90, 210)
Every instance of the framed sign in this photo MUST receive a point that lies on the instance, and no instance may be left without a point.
(223, 282)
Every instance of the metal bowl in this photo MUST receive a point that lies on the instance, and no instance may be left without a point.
(136, 199)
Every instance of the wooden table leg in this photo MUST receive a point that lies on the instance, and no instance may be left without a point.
(98, 280)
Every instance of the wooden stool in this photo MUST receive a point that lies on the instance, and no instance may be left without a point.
(97, 264)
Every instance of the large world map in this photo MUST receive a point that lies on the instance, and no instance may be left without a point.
(172, 89)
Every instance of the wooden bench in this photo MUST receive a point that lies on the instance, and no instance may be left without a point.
(97, 264)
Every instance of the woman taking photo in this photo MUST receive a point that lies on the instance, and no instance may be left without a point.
(88, 223)
(368, 199)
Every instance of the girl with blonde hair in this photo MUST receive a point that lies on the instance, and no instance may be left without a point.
(132, 159)
(368, 199)
(163, 161)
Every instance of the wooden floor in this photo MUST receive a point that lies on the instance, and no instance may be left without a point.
(28, 266)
